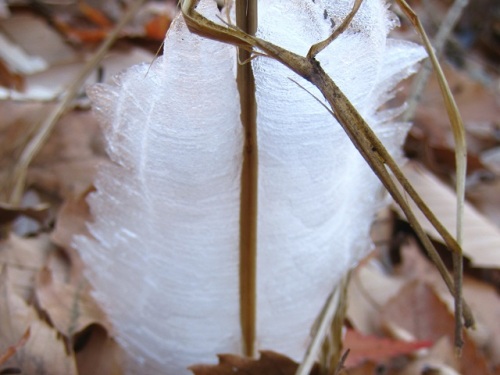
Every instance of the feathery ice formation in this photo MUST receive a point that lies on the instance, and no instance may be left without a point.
(164, 254)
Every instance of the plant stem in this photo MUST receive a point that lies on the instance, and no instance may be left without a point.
(246, 20)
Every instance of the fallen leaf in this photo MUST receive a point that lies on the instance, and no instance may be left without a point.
(367, 368)
(38, 38)
(157, 27)
(369, 290)
(43, 353)
(477, 293)
(486, 197)
(418, 310)
(478, 106)
(484, 301)
(95, 15)
(481, 238)
(491, 158)
(97, 353)
(437, 158)
(23, 258)
(67, 162)
(70, 308)
(72, 219)
(269, 363)
(10, 79)
(377, 349)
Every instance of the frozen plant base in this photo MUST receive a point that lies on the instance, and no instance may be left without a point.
(164, 257)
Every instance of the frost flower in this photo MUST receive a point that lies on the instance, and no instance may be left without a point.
(164, 254)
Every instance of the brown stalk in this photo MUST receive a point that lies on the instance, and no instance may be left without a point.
(246, 20)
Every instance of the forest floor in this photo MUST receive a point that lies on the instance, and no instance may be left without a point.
(400, 315)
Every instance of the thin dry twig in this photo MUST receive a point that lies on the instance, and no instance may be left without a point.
(322, 330)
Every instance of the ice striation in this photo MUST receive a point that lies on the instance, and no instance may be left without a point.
(163, 259)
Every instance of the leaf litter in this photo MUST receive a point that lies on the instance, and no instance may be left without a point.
(49, 321)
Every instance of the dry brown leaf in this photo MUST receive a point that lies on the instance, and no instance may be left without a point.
(43, 353)
(418, 311)
(10, 79)
(60, 64)
(415, 266)
(95, 15)
(486, 197)
(478, 106)
(482, 298)
(157, 27)
(37, 38)
(23, 258)
(491, 158)
(369, 290)
(269, 363)
(97, 353)
(367, 368)
(481, 238)
(377, 349)
(441, 358)
(484, 301)
(67, 163)
(72, 219)
(70, 308)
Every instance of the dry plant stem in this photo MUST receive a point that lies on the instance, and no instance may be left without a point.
(351, 121)
(325, 319)
(12, 350)
(318, 47)
(460, 153)
(246, 20)
(20, 169)
(330, 356)
(340, 365)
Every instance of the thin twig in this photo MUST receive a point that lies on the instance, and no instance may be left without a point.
(340, 365)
